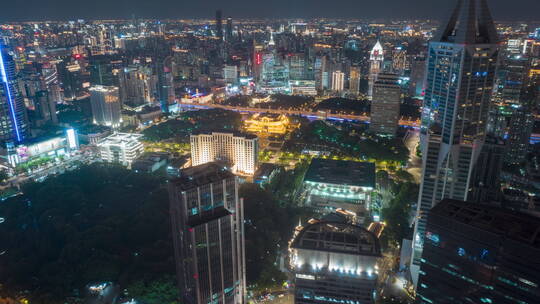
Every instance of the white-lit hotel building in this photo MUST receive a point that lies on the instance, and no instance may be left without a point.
(237, 149)
(121, 148)
(334, 262)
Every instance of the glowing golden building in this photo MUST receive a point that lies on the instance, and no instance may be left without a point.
(267, 123)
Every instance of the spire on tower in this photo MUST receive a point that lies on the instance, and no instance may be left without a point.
(470, 23)
(377, 53)
(271, 42)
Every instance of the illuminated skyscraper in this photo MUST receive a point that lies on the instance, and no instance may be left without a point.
(462, 60)
(338, 81)
(106, 105)
(354, 80)
(376, 59)
(13, 118)
(207, 220)
(385, 104)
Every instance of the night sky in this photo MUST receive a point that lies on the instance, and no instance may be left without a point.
(14, 10)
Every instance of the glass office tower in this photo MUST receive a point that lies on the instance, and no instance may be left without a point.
(462, 60)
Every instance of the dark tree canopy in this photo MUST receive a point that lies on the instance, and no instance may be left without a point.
(98, 223)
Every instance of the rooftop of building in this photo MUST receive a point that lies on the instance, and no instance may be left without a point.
(340, 172)
(338, 237)
(120, 138)
(204, 174)
(491, 218)
(234, 133)
(101, 88)
(470, 23)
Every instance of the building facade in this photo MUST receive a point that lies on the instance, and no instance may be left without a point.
(208, 234)
(106, 106)
(240, 151)
(230, 74)
(478, 253)
(138, 86)
(121, 148)
(334, 262)
(461, 66)
(338, 81)
(385, 104)
(354, 79)
(418, 72)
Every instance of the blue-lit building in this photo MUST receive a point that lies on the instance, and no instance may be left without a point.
(478, 253)
(462, 60)
(13, 117)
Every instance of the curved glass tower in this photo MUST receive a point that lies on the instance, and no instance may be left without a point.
(13, 120)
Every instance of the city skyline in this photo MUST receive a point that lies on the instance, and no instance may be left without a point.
(176, 152)
(51, 10)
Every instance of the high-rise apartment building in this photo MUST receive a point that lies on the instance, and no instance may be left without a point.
(376, 59)
(478, 253)
(208, 233)
(334, 262)
(461, 66)
(240, 151)
(338, 81)
(385, 104)
(13, 117)
(138, 86)
(106, 106)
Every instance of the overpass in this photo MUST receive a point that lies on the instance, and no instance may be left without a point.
(304, 113)
(535, 138)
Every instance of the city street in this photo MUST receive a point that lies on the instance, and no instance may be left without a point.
(411, 140)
